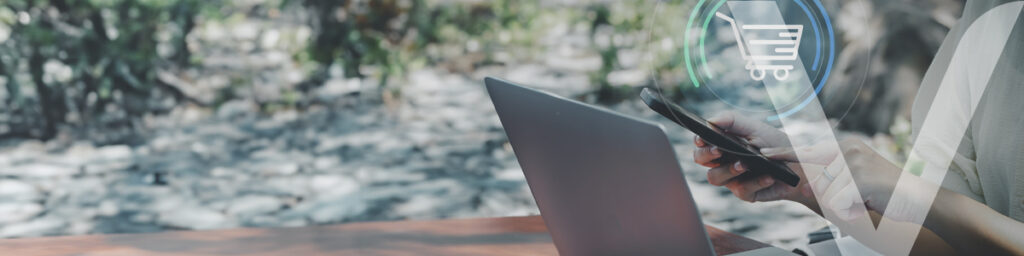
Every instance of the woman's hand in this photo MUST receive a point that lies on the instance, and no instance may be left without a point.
(965, 224)
(865, 181)
(760, 135)
(838, 190)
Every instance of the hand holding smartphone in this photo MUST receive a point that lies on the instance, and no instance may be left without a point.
(733, 148)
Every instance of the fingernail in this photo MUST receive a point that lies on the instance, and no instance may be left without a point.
(767, 181)
(715, 151)
(738, 167)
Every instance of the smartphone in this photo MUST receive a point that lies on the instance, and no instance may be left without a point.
(733, 148)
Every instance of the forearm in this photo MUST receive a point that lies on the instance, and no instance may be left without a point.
(974, 228)
(956, 222)
(927, 243)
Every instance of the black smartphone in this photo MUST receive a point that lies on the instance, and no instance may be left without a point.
(733, 148)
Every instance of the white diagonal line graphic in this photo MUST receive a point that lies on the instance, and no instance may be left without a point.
(937, 141)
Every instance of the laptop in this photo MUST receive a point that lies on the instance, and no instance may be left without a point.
(605, 183)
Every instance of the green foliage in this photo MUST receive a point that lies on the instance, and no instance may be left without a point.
(99, 63)
(665, 45)
(109, 54)
(647, 26)
(394, 34)
(109, 51)
(605, 25)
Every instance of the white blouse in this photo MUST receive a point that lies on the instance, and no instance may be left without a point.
(988, 165)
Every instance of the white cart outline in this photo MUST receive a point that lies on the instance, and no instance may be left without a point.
(781, 52)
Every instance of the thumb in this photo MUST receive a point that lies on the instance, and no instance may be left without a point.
(759, 133)
(816, 154)
(737, 124)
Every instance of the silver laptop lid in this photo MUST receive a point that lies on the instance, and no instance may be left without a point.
(606, 184)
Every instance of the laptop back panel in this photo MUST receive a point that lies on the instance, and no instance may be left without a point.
(606, 184)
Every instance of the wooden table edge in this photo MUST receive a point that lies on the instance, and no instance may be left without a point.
(525, 235)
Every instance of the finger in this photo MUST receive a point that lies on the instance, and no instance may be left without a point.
(817, 154)
(854, 212)
(706, 156)
(838, 185)
(784, 154)
(769, 137)
(848, 204)
(737, 168)
(816, 178)
(806, 191)
(699, 142)
(818, 186)
(811, 174)
(747, 190)
(721, 175)
(758, 133)
(737, 124)
(772, 193)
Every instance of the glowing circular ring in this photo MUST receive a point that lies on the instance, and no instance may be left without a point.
(814, 66)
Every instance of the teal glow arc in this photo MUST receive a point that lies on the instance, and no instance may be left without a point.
(820, 46)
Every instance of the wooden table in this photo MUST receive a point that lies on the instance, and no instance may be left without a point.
(494, 236)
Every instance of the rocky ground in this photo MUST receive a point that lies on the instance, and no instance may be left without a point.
(440, 153)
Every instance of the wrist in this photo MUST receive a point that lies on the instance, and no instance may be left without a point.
(806, 199)
(947, 213)
(910, 203)
(877, 182)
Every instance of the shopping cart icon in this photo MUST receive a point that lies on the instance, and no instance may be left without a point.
(783, 47)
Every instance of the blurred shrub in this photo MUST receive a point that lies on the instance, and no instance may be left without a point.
(650, 27)
(386, 38)
(90, 63)
(93, 64)
(396, 35)
(610, 32)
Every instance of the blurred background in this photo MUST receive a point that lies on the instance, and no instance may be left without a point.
(125, 116)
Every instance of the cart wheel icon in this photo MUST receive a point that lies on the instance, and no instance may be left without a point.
(780, 74)
(757, 73)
